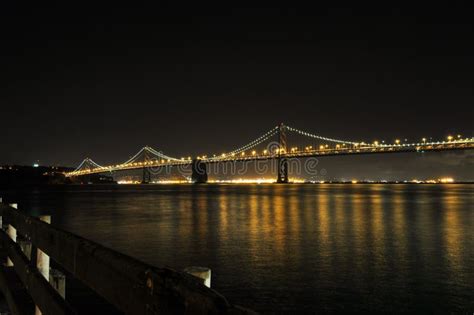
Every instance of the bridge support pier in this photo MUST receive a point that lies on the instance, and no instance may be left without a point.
(199, 172)
(282, 177)
(146, 178)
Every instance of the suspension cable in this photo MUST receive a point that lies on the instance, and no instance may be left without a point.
(90, 161)
(152, 151)
(163, 156)
(307, 134)
(251, 144)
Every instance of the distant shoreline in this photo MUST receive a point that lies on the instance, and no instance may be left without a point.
(293, 183)
(14, 176)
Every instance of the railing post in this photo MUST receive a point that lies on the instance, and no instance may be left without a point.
(58, 280)
(203, 273)
(11, 231)
(42, 260)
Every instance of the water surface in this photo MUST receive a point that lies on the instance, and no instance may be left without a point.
(290, 248)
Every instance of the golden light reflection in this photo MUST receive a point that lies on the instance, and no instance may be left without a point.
(340, 223)
(324, 224)
(377, 224)
(184, 217)
(254, 224)
(359, 230)
(452, 231)
(279, 225)
(224, 215)
(399, 204)
(400, 230)
(201, 215)
(424, 219)
(293, 215)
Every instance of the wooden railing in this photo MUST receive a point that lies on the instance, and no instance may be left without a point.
(132, 286)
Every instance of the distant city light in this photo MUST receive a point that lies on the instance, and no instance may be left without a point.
(446, 180)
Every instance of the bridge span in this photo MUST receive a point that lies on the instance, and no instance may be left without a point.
(275, 149)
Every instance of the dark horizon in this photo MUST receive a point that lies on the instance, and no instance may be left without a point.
(104, 81)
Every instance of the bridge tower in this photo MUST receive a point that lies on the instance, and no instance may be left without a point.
(146, 176)
(282, 176)
(199, 172)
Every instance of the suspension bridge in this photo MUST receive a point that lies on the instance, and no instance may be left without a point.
(272, 145)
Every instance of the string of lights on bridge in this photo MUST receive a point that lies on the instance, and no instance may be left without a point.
(249, 145)
(153, 157)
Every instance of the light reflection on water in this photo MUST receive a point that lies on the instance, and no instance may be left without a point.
(291, 248)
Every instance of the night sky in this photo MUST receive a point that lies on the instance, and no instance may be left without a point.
(102, 82)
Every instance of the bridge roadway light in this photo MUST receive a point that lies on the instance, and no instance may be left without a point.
(450, 138)
(424, 140)
(254, 152)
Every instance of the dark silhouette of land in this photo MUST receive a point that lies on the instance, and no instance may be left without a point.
(21, 175)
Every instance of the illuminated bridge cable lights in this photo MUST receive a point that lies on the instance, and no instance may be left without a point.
(87, 164)
(162, 156)
(145, 151)
(307, 134)
(272, 132)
